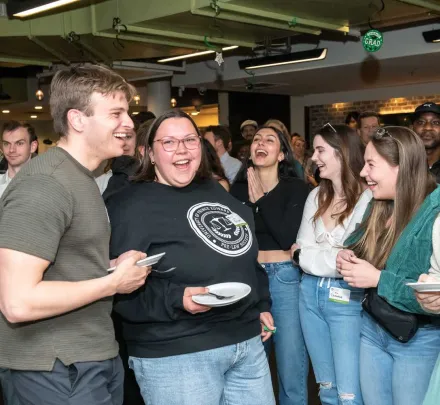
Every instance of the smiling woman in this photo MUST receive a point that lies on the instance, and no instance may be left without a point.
(181, 351)
(391, 247)
(270, 186)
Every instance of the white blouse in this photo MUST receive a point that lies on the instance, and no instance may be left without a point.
(319, 247)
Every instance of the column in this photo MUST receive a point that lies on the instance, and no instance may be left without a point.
(223, 108)
(159, 96)
(297, 118)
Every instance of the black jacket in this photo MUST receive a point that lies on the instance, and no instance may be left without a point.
(123, 167)
(193, 226)
(435, 170)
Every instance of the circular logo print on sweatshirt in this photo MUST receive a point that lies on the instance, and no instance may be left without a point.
(220, 228)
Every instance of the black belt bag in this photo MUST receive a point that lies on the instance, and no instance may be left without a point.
(400, 324)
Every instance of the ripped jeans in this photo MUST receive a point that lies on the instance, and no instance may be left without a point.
(332, 332)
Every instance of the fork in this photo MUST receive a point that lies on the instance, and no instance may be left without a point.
(164, 271)
(218, 296)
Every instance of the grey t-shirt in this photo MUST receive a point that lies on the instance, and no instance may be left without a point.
(53, 210)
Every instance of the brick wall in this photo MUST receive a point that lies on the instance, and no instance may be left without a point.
(336, 113)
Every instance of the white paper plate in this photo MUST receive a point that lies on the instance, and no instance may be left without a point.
(148, 261)
(425, 287)
(237, 290)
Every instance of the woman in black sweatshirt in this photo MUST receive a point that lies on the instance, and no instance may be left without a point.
(183, 352)
(277, 196)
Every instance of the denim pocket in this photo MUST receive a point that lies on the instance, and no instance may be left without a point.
(287, 274)
(343, 284)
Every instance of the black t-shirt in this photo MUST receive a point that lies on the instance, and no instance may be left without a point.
(435, 170)
(278, 214)
(193, 226)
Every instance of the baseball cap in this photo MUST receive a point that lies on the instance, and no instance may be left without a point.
(248, 122)
(426, 108)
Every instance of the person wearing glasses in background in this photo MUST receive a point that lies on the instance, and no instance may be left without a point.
(183, 352)
(368, 124)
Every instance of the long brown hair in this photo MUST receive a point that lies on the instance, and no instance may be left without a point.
(214, 162)
(399, 146)
(350, 152)
(146, 171)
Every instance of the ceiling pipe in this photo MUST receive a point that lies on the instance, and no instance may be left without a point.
(155, 67)
(423, 3)
(191, 37)
(93, 51)
(135, 38)
(262, 22)
(25, 61)
(287, 18)
(49, 49)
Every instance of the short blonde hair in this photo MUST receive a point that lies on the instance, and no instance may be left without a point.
(73, 89)
(278, 125)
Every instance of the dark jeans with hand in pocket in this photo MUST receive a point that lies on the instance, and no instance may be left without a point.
(87, 383)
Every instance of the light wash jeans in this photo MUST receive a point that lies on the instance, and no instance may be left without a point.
(395, 373)
(332, 334)
(290, 349)
(9, 396)
(230, 375)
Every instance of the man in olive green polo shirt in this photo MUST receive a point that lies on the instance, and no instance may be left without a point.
(56, 332)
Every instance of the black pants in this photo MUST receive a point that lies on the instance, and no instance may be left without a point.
(88, 383)
(132, 392)
(7, 392)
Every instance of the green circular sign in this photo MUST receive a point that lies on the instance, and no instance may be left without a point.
(372, 40)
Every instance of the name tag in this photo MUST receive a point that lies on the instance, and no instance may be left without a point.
(236, 219)
(339, 295)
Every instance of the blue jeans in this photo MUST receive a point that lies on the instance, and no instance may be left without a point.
(9, 396)
(290, 349)
(395, 373)
(332, 334)
(233, 375)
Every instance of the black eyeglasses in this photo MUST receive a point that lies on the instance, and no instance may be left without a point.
(171, 144)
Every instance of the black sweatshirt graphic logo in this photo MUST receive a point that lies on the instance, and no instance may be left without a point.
(213, 225)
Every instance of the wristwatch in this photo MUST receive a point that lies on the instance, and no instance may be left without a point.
(295, 256)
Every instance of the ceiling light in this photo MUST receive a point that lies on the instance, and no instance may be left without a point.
(192, 55)
(34, 116)
(431, 36)
(137, 98)
(173, 102)
(5, 111)
(195, 113)
(135, 113)
(283, 59)
(38, 107)
(39, 94)
(44, 7)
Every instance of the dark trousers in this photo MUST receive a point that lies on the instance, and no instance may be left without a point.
(7, 392)
(132, 393)
(88, 383)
